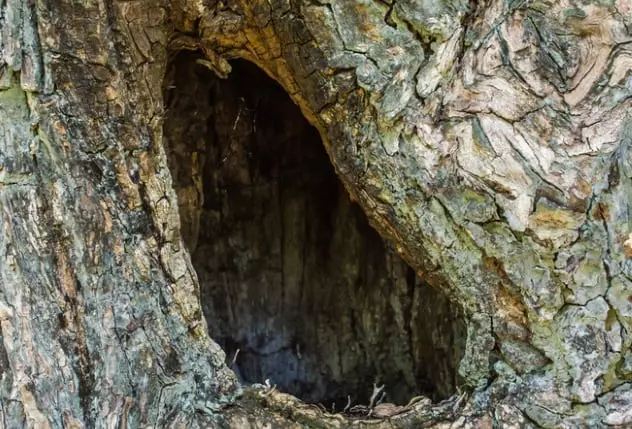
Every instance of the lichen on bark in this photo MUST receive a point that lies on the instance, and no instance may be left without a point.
(487, 141)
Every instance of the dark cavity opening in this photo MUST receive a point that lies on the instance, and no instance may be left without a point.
(296, 286)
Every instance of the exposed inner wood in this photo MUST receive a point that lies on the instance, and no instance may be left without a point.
(295, 285)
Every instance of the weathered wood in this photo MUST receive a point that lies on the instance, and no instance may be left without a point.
(488, 141)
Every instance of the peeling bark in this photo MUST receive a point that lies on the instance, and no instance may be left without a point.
(486, 141)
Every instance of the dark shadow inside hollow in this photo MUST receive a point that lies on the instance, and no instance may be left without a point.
(296, 286)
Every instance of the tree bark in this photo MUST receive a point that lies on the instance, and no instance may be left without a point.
(486, 141)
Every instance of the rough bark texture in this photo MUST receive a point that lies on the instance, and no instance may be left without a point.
(487, 141)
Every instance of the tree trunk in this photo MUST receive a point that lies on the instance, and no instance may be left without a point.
(177, 250)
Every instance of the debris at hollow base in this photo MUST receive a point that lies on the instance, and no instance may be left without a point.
(268, 406)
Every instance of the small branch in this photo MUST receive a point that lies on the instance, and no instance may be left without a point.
(238, 113)
(376, 391)
(232, 363)
(346, 408)
(457, 404)
(269, 387)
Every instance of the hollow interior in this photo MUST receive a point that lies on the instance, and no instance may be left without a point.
(296, 286)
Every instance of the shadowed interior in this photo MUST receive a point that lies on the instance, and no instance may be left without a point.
(295, 285)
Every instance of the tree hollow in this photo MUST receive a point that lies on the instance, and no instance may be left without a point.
(295, 285)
